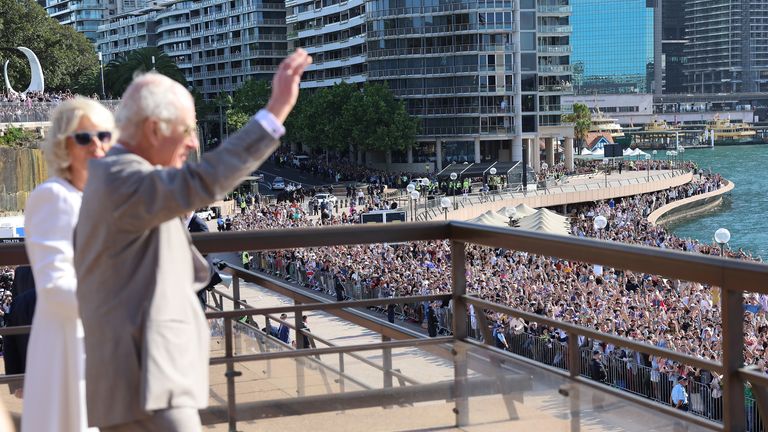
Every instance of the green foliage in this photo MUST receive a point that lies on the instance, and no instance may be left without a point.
(339, 118)
(65, 55)
(247, 100)
(582, 121)
(18, 137)
(120, 72)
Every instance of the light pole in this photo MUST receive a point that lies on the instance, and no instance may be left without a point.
(648, 167)
(410, 189)
(510, 212)
(425, 185)
(415, 198)
(492, 172)
(722, 237)
(599, 223)
(101, 67)
(454, 176)
(444, 204)
(544, 168)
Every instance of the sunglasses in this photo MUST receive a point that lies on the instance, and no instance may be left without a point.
(85, 138)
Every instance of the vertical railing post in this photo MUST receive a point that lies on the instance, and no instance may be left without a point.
(341, 372)
(459, 280)
(230, 375)
(732, 303)
(574, 358)
(387, 363)
(298, 322)
(236, 291)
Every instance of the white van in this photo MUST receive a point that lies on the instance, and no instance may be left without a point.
(299, 160)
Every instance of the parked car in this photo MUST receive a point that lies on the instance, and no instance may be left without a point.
(278, 183)
(300, 160)
(205, 214)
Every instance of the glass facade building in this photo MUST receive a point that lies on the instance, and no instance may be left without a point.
(727, 48)
(613, 46)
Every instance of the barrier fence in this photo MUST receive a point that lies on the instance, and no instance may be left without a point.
(623, 373)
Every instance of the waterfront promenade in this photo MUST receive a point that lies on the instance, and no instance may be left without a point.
(575, 189)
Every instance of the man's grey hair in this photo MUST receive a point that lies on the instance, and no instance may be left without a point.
(150, 95)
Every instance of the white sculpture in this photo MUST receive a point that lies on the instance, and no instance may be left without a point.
(37, 83)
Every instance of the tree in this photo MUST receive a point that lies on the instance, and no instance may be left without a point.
(582, 123)
(65, 55)
(379, 121)
(246, 101)
(120, 72)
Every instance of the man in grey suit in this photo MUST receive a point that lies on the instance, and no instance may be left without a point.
(146, 338)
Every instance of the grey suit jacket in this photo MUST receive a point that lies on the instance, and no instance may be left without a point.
(146, 338)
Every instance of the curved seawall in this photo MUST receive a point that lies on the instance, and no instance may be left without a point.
(21, 169)
(690, 206)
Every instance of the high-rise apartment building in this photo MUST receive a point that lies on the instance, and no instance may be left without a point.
(85, 16)
(481, 76)
(673, 46)
(616, 46)
(218, 44)
(334, 33)
(727, 46)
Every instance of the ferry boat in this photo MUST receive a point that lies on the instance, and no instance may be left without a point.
(727, 133)
(601, 123)
(658, 125)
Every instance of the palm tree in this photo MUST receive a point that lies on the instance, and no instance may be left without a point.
(582, 123)
(120, 72)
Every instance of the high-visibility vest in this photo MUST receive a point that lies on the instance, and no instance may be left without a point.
(246, 258)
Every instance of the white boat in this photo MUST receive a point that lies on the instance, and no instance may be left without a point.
(601, 123)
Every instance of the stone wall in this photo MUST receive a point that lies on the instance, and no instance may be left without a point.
(21, 169)
(692, 206)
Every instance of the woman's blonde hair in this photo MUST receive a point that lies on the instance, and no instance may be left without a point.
(64, 121)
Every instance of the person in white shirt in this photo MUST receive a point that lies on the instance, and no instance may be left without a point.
(54, 385)
(680, 394)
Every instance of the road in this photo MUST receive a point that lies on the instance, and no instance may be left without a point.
(291, 175)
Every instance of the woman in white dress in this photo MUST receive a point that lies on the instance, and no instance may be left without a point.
(54, 384)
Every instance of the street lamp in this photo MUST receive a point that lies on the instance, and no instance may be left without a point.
(101, 66)
(722, 236)
(599, 223)
(492, 172)
(444, 204)
(510, 212)
(648, 167)
(410, 189)
(654, 155)
(425, 184)
(414, 199)
(454, 176)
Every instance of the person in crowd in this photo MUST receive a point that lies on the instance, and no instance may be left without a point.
(597, 367)
(138, 271)
(679, 395)
(54, 399)
(21, 313)
(283, 331)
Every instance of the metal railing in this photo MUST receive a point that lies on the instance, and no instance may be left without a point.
(734, 277)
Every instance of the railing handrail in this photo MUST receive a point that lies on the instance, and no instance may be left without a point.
(676, 264)
(732, 276)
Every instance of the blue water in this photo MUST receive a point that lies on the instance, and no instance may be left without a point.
(744, 212)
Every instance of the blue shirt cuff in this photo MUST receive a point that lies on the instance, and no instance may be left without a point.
(270, 123)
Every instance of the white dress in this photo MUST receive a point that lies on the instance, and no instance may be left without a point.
(54, 384)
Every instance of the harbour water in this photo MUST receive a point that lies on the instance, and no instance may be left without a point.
(744, 212)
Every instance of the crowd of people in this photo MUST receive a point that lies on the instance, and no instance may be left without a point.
(32, 106)
(679, 315)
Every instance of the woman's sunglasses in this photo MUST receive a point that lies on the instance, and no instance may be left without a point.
(85, 138)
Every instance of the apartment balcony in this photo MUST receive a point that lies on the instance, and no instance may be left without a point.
(554, 10)
(555, 49)
(438, 51)
(398, 378)
(556, 88)
(554, 69)
(544, 30)
(555, 108)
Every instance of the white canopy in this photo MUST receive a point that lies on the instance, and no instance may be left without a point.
(544, 220)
